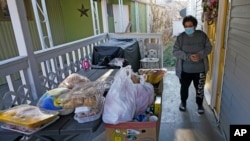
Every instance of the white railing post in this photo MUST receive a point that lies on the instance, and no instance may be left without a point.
(24, 42)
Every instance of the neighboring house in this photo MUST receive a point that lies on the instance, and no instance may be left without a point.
(60, 21)
(229, 74)
(65, 23)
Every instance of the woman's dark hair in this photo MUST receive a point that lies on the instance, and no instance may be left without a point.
(191, 19)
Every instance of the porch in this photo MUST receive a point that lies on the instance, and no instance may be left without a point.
(29, 76)
(43, 70)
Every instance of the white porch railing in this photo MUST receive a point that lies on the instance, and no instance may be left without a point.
(54, 64)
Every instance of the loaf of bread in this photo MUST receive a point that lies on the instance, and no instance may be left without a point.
(72, 80)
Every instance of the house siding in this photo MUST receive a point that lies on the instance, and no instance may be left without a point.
(8, 44)
(56, 22)
(7, 38)
(235, 92)
(194, 8)
(198, 14)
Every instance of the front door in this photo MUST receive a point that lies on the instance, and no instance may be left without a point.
(121, 17)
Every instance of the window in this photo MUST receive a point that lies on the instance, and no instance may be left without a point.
(4, 11)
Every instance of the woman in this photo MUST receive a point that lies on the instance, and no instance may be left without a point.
(191, 50)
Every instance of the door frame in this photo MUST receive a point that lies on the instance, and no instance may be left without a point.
(219, 55)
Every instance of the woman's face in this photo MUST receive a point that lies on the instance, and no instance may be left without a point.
(188, 24)
(189, 28)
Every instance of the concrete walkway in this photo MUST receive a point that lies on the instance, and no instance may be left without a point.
(189, 125)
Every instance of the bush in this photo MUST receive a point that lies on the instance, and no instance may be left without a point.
(168, 59)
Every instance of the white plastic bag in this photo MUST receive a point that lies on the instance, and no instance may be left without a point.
(120, 102)
(144, 96)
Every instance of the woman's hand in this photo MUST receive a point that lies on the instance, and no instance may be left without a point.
(194, 57)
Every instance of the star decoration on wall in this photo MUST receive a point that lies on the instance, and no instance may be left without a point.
(83, 11)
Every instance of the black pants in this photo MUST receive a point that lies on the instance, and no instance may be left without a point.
(199, 83)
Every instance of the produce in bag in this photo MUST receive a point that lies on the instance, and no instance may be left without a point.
(84, 94)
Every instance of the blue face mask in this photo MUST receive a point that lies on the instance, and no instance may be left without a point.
(189, 30)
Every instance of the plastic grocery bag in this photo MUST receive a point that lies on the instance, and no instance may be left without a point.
(120, 102)
(144, 96)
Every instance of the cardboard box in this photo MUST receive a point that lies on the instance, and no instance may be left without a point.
(158, 88)
(135, 131)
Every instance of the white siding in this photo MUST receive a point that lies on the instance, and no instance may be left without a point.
(198, 14)
(194, 8)
(191, 7)
(235, 100)
(177, 28)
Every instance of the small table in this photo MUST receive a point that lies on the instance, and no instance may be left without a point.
(118, 48)
(149, 63)
(67, 125)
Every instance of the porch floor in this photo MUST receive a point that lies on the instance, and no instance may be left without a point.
(175, 125)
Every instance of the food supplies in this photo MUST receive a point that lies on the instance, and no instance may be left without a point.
(72, 80)
(54, 100)
(65, 100)
(86, 114)
(27, 116)
(153, 76)
(84, 94)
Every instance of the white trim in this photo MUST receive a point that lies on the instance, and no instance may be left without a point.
(93, 17)
(148, 16)
(44, 13)
(104, 16)
(47, 23)
(24, 42)
(217, 51)
(137, 17)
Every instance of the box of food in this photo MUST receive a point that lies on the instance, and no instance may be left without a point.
(27, 116)
(134, 130)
